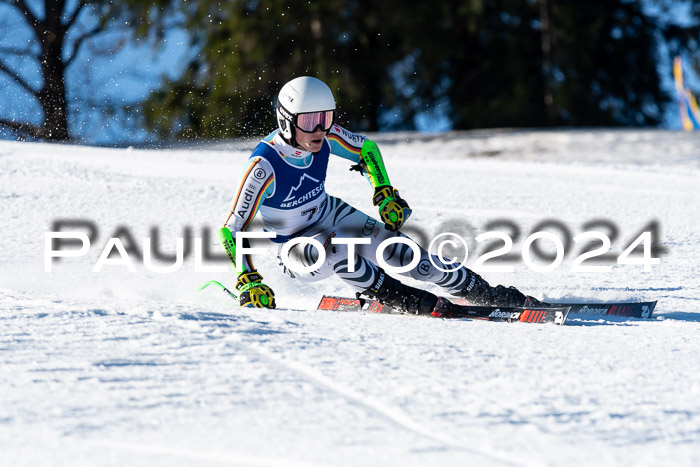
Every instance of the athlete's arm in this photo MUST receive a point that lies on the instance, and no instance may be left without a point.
(345, 144)
(257, 183)
(393, 210)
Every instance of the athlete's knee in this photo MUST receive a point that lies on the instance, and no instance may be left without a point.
(303, 262)
(340, 260)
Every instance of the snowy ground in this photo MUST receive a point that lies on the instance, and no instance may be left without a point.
(115, 368)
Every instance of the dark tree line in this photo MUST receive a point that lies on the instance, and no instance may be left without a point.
(486, 63)
(481, 63)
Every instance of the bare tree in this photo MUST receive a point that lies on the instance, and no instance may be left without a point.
(49, 32)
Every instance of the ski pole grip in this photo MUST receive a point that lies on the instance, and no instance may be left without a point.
(229, 245)
(375, 164)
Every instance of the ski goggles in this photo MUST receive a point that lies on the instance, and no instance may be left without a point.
(309, 122)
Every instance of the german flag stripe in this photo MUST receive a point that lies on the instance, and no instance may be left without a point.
(247, 259)
(250, 266)
(256, 205)
(240, 187)
(344, 143)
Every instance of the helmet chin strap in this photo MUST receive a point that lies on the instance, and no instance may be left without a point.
(293, 142)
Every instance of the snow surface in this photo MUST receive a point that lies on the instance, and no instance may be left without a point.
(122, 368)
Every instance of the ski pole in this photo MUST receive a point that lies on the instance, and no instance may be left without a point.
(220, 285)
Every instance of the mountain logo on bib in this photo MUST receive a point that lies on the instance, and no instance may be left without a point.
(309, 190)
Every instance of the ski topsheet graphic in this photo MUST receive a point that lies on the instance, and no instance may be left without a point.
(556, 315)
(626, 309)
(536, 314)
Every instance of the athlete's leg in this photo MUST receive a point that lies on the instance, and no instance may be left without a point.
(356, 271)
(343, 221)
(454, 279)
(346, 222)
(337, 261)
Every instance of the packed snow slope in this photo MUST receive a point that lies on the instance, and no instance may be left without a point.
(116, 367)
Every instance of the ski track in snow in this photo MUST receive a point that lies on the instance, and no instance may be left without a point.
(114, 367)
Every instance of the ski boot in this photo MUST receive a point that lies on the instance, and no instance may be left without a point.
(401, 297)
(478, 292)
(443, 308)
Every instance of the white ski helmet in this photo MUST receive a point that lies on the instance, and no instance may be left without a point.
(304, 95)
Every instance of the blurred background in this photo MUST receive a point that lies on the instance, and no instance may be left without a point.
(134, 72)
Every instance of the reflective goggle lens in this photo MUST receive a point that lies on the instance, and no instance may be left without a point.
(310, 121)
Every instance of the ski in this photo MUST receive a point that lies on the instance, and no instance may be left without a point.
(557, 315)
(625, 309)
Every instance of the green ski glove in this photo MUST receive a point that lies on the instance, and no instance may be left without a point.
(252, 292)
(393, 209)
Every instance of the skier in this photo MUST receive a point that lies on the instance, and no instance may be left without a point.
(284, 181)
